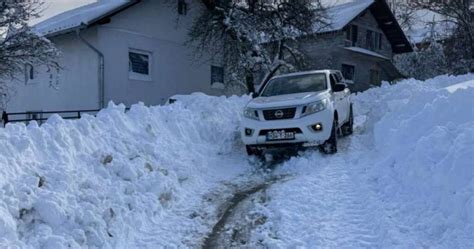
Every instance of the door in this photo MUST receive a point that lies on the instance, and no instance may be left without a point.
(341, 100)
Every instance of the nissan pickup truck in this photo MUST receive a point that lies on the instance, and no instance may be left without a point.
(298, 110)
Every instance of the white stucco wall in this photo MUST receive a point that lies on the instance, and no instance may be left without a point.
(155, 27)
(152, 26)
(76, 87)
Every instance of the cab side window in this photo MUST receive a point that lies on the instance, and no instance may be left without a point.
(333, 81)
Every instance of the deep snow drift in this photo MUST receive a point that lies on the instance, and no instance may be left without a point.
(149, 177)
(130, 180)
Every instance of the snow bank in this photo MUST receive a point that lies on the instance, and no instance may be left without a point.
(130, 180)
(426, 138)
(137, 179)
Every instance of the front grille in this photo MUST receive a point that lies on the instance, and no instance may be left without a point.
(295, 130)
(275, 114)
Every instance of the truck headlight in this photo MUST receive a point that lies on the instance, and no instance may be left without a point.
(250, 113)
(315, 107)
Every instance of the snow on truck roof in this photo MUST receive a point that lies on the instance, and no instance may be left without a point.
(85, 15)
(322, 71)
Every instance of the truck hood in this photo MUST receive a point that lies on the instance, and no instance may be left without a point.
(287, 100)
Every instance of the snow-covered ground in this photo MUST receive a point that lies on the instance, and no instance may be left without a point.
(155, 176)
(131, 180)
(405, 179)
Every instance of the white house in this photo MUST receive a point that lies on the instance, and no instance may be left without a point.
(125, 51)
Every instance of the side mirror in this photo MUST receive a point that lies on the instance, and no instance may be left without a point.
(339, 87)
(254, 95)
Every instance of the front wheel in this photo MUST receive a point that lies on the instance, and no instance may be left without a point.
(330, 145)
(252, 151)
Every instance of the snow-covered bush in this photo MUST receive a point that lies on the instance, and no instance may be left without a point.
(251, 36)
(423, 63)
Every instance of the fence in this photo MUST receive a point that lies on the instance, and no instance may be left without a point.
(40, 117)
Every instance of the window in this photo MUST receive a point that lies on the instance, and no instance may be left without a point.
(348, 72)
(379, 40)
(182, 7)
(333, 80)
(139, 65)
(217, 75)
(352, 34)
(29, 73)
(370, 40)
(339, 77)
(295, 84)
(373, 40)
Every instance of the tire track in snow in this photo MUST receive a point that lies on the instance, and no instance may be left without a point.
(232, 228)
(239, 216)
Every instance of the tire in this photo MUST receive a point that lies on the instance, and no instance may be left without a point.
(330, 145)
(252, 151)
(348, 127)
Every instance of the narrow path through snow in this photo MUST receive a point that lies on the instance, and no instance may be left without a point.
(233, 226)
(331, 195)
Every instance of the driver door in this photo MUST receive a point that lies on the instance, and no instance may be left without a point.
(341, 100)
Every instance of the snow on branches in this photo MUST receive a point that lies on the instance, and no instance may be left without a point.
(19, 44)
(450, 45)
(252, 36)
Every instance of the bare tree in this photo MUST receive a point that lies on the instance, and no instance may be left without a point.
(406, 15)
(19, 44)
(256, 35)
(461, 45)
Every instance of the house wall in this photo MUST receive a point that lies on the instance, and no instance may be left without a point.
(326, 51)
(367, 22)
(75, 87)
(154, 27)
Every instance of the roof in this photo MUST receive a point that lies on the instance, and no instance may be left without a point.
(366, 52)
(343, 14)
(83, 16)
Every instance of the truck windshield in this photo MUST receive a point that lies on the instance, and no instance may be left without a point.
(295, 84)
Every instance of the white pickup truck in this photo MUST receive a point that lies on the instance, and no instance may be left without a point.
(305, 109)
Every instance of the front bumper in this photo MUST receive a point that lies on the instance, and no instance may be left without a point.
(305, 135)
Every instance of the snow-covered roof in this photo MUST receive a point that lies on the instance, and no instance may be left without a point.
(366, 52)
(342, 14)
(84, 15)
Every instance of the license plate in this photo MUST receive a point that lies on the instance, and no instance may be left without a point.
(280, 135)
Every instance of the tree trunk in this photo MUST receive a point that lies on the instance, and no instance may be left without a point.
(249, 82)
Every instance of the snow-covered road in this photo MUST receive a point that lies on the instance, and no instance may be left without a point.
(405, 179)
(172, 176)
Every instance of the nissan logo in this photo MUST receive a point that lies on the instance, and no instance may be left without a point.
(279, 114)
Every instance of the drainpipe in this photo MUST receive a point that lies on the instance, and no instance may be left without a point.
(101, 68)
